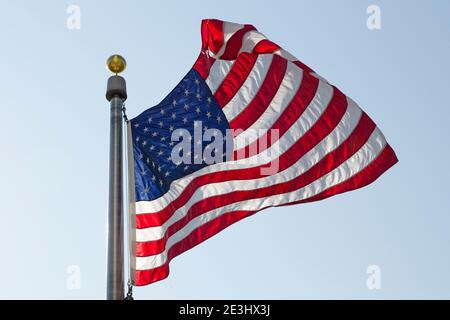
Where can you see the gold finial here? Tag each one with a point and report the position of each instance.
(116, 63)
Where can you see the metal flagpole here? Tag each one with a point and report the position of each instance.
(116, 94)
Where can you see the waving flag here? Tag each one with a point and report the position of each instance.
(249, 127)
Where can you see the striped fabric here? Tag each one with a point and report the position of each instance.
(281, 114)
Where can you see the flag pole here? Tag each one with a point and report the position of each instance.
(116, 94)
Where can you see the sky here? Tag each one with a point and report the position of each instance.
(54, 140)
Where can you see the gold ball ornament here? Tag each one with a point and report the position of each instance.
(116, 63)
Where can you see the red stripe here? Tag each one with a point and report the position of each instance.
(202, 233)
(203, 64)
(265, 46)
(330, 118)
(235, 78)
(375, 169)
(328, 163)
(145, 277)
(296, 107)
(303, 66)
(234, 44)
(212, 34)
(261, 101)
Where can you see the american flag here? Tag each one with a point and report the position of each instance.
(278, 133)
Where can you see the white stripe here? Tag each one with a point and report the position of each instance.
(312, 113)
(283, 53)
(218, 72)
(287, 90)
(345, 171)
(249, 88)
(339, 134)
(250, 40)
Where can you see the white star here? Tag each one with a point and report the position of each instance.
(185, 120)
(209, 100)
(171, 143)
(163, 138)
(143, 173)
(141, 156)
(186, 92)
(148, 160)
(160, 152)
(197, 82)
(161, 182)
(186, 167)
(174, 102)
(161, 124)
(208, 114)
(205, 128)
(145, 129)
(162, 111)
(144, 143)
(171, 128)
(198, 96)
(150, 120)
(146, 190)
(167, 174)
(154, 178)
(186, 106)
(174, 115)
(219, 119)
(159, 168)
(198, 110)
(136, 125)
(152, 147)
(137, 139)
(168, 158)
(154, 134)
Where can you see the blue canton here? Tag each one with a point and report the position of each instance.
(190, 102)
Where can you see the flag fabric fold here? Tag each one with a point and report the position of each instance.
(249, 127)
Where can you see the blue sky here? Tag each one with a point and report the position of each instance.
(55, 130)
